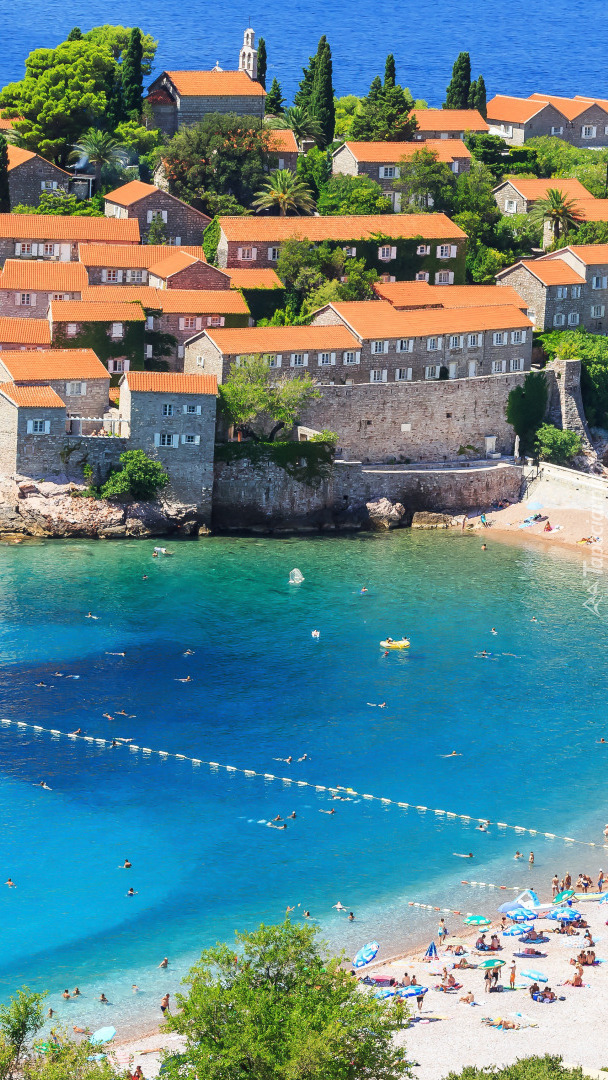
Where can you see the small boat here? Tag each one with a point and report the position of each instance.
(403, 643)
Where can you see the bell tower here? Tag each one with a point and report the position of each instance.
(248, 56)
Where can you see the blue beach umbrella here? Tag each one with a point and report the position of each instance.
(536, 976)
(386, 993)
(516, 931)
(563, 915)
(478, 920)
(431, 952)
(366, 954)
(103, 1035)
(412, 991)
(520, 915)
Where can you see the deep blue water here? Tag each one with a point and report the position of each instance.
(555, 46)
(204, 862)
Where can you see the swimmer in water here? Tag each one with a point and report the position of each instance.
(379, 705)
(306, 915)
(135, 989)
(113, 744)
(77, 732)
(518, 855)
(164, 963)
(58, 674)
(107, 716)
(303, 758)
(131, 892)
(493, 630)
(270, 825)
(10, 883)
(534, 619)
(287, 760)
(126, 865)
(316, 634)
(115, 654)
(292, 815)
(91, 616)
(121, 712)
(66, 995)
(289, 909)
(102, 997)
(363, 590)
(188, 652)
(75, 992)
(351, 916)
(482, 828)
(187, 679)
(332, 811)
(484, 547)
(459, 856)
(339, 906)
(43, 784)
(453, 754)
(277, 818)
(40, 684)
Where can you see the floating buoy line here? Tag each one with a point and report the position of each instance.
(450, 815)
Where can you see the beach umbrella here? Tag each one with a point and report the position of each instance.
(513, 908)
(478, 920)
(366, 954)
(565, 895)
(492, 964)
(520, 915)
(412, 991)
(431, 952)
(385, 993)
(102, 1035)
(563, 915)
(516, 931)
(535, 976)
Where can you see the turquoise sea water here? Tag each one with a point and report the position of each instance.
(204, 861)
(516, 48)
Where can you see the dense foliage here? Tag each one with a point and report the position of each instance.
(385, 114)
(592, 351)
(315, 275)
(526, 407)
(549, 1067)
(353, 195)
(262, 62)
(141, 477)
(270, 1007)
(5, 198)
(426, 182)
(554, 444)
(61, 204)
(316, 95)
(261, 402)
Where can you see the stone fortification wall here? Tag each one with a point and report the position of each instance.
(50, 456)
(565, 403)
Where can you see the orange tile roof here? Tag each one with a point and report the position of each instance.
(273, 339)
(74, 229)
(378, 319)
(215, 84)
(445, 150)
(549, 271)
(569, 107)
(17, 156)
(250, 278)
(592, 209)
(590, 254)
(43, 276)
(51, 364)
(202, 302)
(130, 193)
(413, 294)
(32, 397)
(84, 311)
(137, 257)
(114, 394)
(7, 125)
(15, 331)
(513, 110)
(178, 260)
(449, 120)
(537, 189)
(348, 227)
(122, 294)
(170, 382)
(284, 141)
(593, 100)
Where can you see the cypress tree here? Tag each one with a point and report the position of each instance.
(322, 97)
(75, 34)
(5, 199)
(262, 62)
(132, 78)
(480, 97)
(390, 74)
(275, 100)
(472, 92)
(303, 94)
(457, 94)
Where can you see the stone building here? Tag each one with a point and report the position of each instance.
(185, 97)
(179, 270)
(32, 427)
(285, 146)
(517, 195)
(27, 288)
(419, 294)
(113, 264)
(401, 246)
(448, 123)
(580, 122)
(147, 203)
(29, 175)
(56, 238)
(118, 330)
(25, 334)
(381, 161)
(565, 289)
(76, 375)
(372, 342)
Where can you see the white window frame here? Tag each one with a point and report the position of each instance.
(168, 408)
(561, 292)
(112, 276)
(434, 344)
(386, 253)
(474, 341)
(588, 131)
(192, 410)
(444, 277)
(517, 364)
(274, 360)
(573, 318)
(326, 359)
(351, 357)
(117, 330)
(432, 371)
(455, 341)
(38, 427)
(378, 375)
(423, 249)
(510, 206)
(499, 367)
(273, 254)
(71, 329)
(518, 337)
(247, 254)
(599, 281)
(190, 322)
(403, 374)
(499, 337)
(597, 311)
(422, 275)
(25, 299)
(559, 318)
(299, 359)
(575, 292)
(75, 389)
(557, 129)
(405, 345)
(166, 439)
(378, 347)
(350, 252)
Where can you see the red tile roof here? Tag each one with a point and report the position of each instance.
(445, 150)
(170, 382)
(513, 110)
(569, 107)
(449, 120)
(273, 339)
(52, 364)
(178, 260)
(6, 125)
(416, 294)
(17, 156)
(78, 311)
(283, 141)
(250, 278)
(201, 302)
(348, 227)
(378, 319)
(122, 294)
(590, 254)
(592, 209)
(15, 331)
(130, 193)
(215, 84)
(74, 229)
(537, 189)
(32, 397)
(550, 271)
(43, 276)
(137, 257)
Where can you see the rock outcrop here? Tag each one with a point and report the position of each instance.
(383, 514)
(423, 519)
(40, 508)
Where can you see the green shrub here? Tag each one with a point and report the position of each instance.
(526, 408)
(325, 436)
(553, 444)
(141, 477)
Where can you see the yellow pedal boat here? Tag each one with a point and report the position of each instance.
(403, 643)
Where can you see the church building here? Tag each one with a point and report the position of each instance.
(185, 97)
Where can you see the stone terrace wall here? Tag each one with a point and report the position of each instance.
(48, 456)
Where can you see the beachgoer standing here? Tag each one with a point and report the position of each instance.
(554, 884)
(600, 881)
(164, 1005)
(531, 858)
(567, 880)
(512, 972)
(442, 931)
(487, 979)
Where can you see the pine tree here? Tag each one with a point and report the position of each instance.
(132, 78)
(275, 101)
(322, 97)
(457, 94)
(390, 74)
(262, 63)
(480, 97)
(303, 94)
(5, 199)
(384, 115)
(75, 34)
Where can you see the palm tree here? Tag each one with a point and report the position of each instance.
(99, 148)
(303, 125)
(285, 190)
(561, 212)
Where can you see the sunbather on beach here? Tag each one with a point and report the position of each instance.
(468, 998)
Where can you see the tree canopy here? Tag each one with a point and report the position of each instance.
(321, 100)
(353, 195)
(275, 102)
(314, 275)
(141, 477)
(5, 198)
(426, 181)
(384, 115)
(61, 204)
(132, 74)
(557, 445)
(457, 93)
(281, 1012)
(286, 193)
(262, 62)
(526, 408)
(261, 402)
(559, 210)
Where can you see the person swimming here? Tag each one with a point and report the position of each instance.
(91, 616)
(10, 883)
(304, 758)
(164, 963)
(131, 892)
(493, 630)
(126, 865)
(77, 732)
(332, 811)
(453, 754)
(459, 856)
(43, 784)
(316, 634)
(187, 679)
